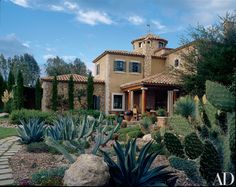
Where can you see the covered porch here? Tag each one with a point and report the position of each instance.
(151, 93)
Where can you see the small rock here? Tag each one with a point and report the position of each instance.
(88, 170)
(147, 137)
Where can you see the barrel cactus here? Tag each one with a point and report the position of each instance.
(210, 163)
(173, 144)
(192, 146)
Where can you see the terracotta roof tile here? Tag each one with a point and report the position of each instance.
(149, 36)
(76, 78)
(164, 78)
(118, 52)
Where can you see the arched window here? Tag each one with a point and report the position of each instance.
(176, 63)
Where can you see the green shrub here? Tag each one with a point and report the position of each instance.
(145, 124)
(49, 177)
(135, 134)
(25, 114)
(161, 112)
(173, 145)
(156, 135)
(156, 147)
(185, 107)
(41, 147)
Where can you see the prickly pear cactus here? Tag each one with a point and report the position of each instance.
(190, 168)
(231, 137)
(192, 146)
(173, 144)
(220, 96)
(210, 163)
(180, 125)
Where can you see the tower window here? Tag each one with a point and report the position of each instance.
(176, 62)
(140, 44)
(161, 44)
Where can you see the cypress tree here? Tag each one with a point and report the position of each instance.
(19, 91)
(38, 95)
(90, 89)
(2, 89)
(54, 94)
(71, 93)
(10, 81)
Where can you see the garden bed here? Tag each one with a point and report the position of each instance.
(24, 164)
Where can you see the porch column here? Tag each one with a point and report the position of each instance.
(131, 100)
(170, 103)
(144, 100)
(128, 101)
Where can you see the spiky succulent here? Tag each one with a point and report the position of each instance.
(132, 171)
(31, 130)
(185, 107)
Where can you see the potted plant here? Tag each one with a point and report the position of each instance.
(161, 117)
(128, 115)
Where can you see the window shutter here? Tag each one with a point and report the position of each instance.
(130, 66)
(139, 67)
(124, 66)
(114, 66)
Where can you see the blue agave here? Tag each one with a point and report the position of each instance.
(129, 171)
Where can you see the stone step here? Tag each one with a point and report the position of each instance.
(6, 182)
(4, 167)
(3, 171)
(6, 176)
(8, 154)
(3, 163)
(3, 159)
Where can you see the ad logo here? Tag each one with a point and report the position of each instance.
(226, 180)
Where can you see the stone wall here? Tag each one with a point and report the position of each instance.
(99, 90)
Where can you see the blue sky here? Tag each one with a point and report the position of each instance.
(85, 28)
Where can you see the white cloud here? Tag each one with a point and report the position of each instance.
(71, 6)
(47, 56)
(10, 45)
(68, 58)
(158, 25)
(93, 17)
(136, 20)
(23, 3)
(56, 8)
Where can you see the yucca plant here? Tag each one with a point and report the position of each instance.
(31, 130)
(185, 107)
(132, 171)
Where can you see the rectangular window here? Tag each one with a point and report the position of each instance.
(135, 67)
(96, 102)
(118, 101)
(98, 69)
(119, 65)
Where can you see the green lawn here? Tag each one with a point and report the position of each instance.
(5, 132)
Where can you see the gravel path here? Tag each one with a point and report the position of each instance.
(8, 147)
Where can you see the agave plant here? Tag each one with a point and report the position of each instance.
(145, 124)
(31, 130)
(185, 107)
(129, 171)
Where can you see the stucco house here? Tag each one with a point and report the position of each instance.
(125, 79)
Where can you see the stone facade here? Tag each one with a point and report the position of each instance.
(99, 90)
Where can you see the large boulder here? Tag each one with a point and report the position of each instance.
(88, 170)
